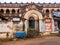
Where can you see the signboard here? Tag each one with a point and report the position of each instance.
(48, 24)
(16, 19)
(56, 13)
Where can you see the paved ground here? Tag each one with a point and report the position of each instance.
(36, 41)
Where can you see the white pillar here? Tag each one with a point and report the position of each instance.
(40, 26)
(26, 25)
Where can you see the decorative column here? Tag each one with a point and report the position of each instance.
(40, 21)
(26, 25)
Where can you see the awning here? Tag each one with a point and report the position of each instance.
(56, 14)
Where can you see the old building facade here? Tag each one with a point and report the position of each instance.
(37, 16)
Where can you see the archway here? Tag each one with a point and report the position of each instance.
(31, 22)
(37, 17)
(47, 12)
(13, 11)
(7, 11)
(1, 11)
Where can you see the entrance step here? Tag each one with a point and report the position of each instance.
(55, 32)
(48, 34)
(45, 33)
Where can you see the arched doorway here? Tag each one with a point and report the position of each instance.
(31, 22)
(34, 19)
